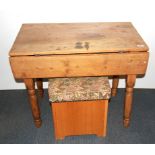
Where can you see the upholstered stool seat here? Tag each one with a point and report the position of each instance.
(79, 105)
(79, 89)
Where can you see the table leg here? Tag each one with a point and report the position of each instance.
(114, 85)
(30, 85)
(130, 81)
(40, 87)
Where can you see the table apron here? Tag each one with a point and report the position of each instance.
(79, 65)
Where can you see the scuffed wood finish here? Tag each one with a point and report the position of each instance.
(30, 85)
(78, 49)
(71, 38)
(40, 89)
(114, 85)
(78, 118)
(130, 82)
(79, 65)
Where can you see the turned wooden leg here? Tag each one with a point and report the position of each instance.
(130, 81)
(30, 85)
(40, 87)
(114, 85)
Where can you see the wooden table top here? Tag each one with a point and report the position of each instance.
(73, 38)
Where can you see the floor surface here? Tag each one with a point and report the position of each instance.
(16, 124)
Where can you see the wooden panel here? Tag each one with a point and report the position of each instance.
(79, 65)
(78, 118)
(72, 38)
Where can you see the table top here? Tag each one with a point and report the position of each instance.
(73, 38)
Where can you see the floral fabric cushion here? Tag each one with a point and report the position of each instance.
(78, 89)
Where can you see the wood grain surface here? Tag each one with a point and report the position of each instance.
(79, 65)
(71, 38)
(78, 118)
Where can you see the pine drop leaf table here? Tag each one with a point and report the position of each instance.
(76, 50)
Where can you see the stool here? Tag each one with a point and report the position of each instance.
(79, 105)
